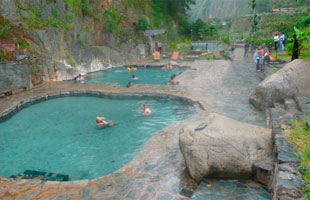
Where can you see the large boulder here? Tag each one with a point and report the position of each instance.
(225, 148)
(293, 78)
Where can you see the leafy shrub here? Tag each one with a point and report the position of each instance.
(68, 26)
(69, 16)
(142, 24)
(4, 30)
(172, 46)
(85, 8)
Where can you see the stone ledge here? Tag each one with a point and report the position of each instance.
(286, 183)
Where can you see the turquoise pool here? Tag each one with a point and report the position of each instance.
(61, 136)
(150, 75)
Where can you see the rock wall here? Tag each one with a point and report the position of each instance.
(292, 79)
(14, 76)
(77, 44)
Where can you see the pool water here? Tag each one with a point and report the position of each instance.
(150, 75)
(211, 46)
(61, 136)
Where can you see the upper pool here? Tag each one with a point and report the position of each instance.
(61, 136)
(149, 75)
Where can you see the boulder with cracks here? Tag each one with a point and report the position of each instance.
(225, 148)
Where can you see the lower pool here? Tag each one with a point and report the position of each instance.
(61, 136)
(150, 75)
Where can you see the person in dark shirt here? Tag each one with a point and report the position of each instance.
(296, 48)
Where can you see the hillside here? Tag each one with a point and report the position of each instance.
(204, 9)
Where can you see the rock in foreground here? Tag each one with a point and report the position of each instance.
(224, 149)
(286, 83)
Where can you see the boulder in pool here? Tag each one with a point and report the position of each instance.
(292, 79)
(225, 148)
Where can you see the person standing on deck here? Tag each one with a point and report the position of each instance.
(159, 47)
(246, 49)
(295, 48)
(282, 41)
(276, 41)
(232, 47)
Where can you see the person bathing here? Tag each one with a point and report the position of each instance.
(101, 123)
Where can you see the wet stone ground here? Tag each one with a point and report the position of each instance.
(158, 171)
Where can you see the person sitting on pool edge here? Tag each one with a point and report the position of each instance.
(101, 123)
(134, 78)
(129, 85)
(146, 110)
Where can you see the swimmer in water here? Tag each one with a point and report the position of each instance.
(134, 78)
(129, 85)
(146, 110)
(101, 123)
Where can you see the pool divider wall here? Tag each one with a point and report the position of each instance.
(8, 113)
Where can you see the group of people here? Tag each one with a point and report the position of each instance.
(261, 55)
(172, 80)
(102, 123)
(279, 39)
(79, 79)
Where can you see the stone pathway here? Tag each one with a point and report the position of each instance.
(158, 171)
(227, 87)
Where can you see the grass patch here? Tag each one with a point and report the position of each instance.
(304, 55)
(274, 70)
(206, 57)
(300, 138)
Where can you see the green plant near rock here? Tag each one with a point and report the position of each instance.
(4, 30)
(112, 20)
(142, 24)
(2, 58)
(274, 70)
(299, 136)
(68, 26)
(70, 60)
(89, 29)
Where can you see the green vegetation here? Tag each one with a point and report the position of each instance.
(4, 30)
(207, 57)
(274, 70)
(299, 136)
(112, 20)
(203, 30)
(143, 24)
(37, 22)
(268, 5)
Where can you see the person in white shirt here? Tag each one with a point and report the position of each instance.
(276, 41)
(282, 41)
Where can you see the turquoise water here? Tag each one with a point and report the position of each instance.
(61, 136)
(211, 46)
(150, 75)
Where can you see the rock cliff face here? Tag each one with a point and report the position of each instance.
(218, 9)
(62, 41)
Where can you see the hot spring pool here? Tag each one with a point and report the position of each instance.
(61, 136)
(150, 75)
